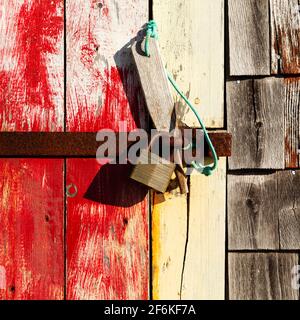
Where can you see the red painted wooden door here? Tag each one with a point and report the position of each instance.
(102, 215)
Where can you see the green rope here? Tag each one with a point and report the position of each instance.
(151, 31)
(207, 170)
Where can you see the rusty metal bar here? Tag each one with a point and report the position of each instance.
(76, 144)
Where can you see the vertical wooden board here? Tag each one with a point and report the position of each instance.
(253, 212)
(191, 35)
(285, 33)
(292, 122)
(249, 37)
(256, 120)
(107, 233)
(262, 276)
(169, 236)
(241, 123)
(204, 265)
(189, 246)
(31, 65)
(289, 214)
(102, 85)
(155, 85)
(107, 238)
(31, 229)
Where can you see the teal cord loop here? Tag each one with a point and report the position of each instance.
(206, 170)
(151, 32)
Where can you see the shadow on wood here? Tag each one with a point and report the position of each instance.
(112, 186)
(129, 77)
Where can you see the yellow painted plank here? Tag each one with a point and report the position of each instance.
(204, 270)
(169, 225)
(191, 35)
(189, 241)
(189, 263)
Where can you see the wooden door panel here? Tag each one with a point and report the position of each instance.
(31, 229)
(32, 65)
(107, 233)
(102, 86)
(107, 229)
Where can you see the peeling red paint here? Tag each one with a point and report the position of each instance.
(31, 247)
(38, 30)
(26, 85)
(107, 221)
(107, 257)
(121, 100)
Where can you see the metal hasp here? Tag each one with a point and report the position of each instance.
(160, 104)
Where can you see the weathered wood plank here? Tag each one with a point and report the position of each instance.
(102, 85)
(262, 276)
(31, 229)
(189, 244)
(260, 206)
(285, 33)
(107, 229)
(249, 37)
(155, 85)
(191, 35)
(107, 233)
(204, 267)
(169, 232)
(31, 65)
(256, 120)
(292, 122)
(289, 212)
(253, 212)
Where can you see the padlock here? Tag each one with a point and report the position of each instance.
(153, 171)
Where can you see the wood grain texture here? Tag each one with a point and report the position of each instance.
(31, 229)
(253, 212)
(31, 65)
(292, 122)
(102, 85)
(107, 233)
(188, 240)
(204, 266)
(191, 35)
(155, 85)
(256, 120)
(285, 33)
(262, 276)
(289, 212)
(107, 230)
(263, 211)
(249, 37)
(169, 236)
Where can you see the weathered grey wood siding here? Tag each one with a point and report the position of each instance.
(262, 276)
(263, 112)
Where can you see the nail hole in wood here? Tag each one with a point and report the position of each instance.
(258, 125)
(12, 288)
(249, 203)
